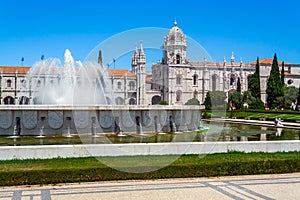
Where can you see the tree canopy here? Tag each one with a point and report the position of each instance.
(254, 82)
(274, 85)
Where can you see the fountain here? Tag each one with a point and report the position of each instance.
(66, 97)
(15, 133)
(41, 133)
(71, 84)
(69, 132)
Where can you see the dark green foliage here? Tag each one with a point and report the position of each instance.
(207, 101)
(163, 103)
(282, 74)
(274, 85)
(237, 99)
(238, 87)
(257, 104)
(192, 101)
(290, 95)
(253, 103)
(254, 82)
(235, 163)
(298, 99)
(215, 100)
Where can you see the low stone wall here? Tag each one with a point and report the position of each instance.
(58, 120)
(67, 151)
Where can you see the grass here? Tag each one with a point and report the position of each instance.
(269, 115)
(52, 171)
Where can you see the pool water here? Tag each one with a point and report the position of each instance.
(216, 132)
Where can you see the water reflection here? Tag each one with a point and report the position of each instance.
(216, 132)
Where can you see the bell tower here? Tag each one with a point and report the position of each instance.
(140, 75)
(175, 46)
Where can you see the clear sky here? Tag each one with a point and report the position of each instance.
(31, 28)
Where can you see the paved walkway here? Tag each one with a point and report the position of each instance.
(284, 186)
(291, 125)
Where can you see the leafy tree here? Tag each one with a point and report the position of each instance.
(237, 99)
(238, 87)
(192, 101)
(290, 95)
(274, 85)
(282, 74)
(254, 82)
(257, 104)
(215, 100)
(253, 103)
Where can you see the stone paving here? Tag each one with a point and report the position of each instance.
(280, 186)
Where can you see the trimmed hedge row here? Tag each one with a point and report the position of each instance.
(269, 165)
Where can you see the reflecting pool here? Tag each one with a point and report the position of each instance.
(211, 132)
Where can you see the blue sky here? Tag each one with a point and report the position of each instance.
(253, 28)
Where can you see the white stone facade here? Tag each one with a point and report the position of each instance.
(175, 79)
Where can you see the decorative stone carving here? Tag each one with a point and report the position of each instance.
(81, 119)
(5, 119)
(128, 118)
(55, 119)
(29, 119)
(106, 119)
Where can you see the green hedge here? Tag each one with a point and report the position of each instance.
(186, 166)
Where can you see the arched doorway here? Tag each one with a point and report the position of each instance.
(9, 100)
(24, 100)
(179, 96)
(132, 101)
(156, 99)
(119, 101)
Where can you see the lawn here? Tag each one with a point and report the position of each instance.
(52, 171)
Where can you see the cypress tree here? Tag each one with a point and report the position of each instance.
(238, 87)
(282, 74)
(254, 83)
(298, 100)
(274, 85)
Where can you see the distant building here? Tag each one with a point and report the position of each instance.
(175, 79)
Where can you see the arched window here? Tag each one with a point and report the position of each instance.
(178, 96)
(178, 59)
(119, 101)
(131, 85)
(214, 82)
(178, 79)
(9, 100)
(119, 85)
(8, 83)
(132, 101)
(195, 79)
(232, 79)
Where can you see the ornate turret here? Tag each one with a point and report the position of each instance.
(141, 56)
(232, 58)
(175, 46)
(134, 60)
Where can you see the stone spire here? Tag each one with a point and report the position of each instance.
(142, 56)
(134, 60)
(175, 22)
(232, 58)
